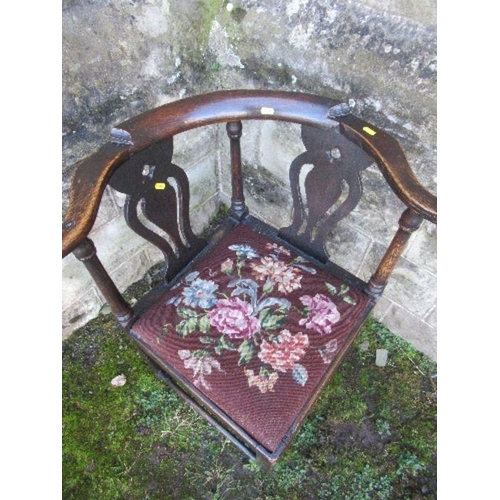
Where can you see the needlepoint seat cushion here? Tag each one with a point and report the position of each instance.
(256, 329)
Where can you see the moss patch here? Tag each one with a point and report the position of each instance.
(372, 434)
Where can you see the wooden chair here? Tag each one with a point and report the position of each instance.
(249, 325)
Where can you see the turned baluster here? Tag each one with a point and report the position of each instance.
(408, 223)
(86, 253)
(238, 206)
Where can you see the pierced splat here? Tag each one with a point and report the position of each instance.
(146, 179)
(335, 161)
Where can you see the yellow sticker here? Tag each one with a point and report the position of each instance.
(160, 185)
(369, 131)
(267, 111)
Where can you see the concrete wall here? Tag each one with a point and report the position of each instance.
(121, 58)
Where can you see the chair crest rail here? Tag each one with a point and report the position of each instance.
(92, 174)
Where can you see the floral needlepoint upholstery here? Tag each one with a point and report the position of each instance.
(255, 327)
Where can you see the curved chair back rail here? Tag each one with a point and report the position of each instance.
(93, 173)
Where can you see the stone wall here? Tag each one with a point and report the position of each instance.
(123, 57)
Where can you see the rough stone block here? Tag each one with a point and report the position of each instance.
(267, 197)
(154, 254)
(81, 310)
(422, 247)
(131, 270)
(116, 243)
(66, 182)
(380, 310)
(75, 278)
(412, 287)
(348, 247)
(408, 326)
(417, 10)
(250, 142)
(280, 144)
(409, 285)
(372, 260)
(224, 157)
(193, 145)
(203, 213)
(119, 199)
(431, 317)
(379, 209)
(422, 159)
(202, 181)
(220, 45)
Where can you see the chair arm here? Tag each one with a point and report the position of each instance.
(87, 186)
(392, 162)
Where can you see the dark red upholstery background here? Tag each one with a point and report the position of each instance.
(259, 360)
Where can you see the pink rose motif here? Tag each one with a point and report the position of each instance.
(278, 273)
(227, 266)
(285, 352)
(278, 249)
(322, 313)
(234, 319)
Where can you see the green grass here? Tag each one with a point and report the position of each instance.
(371, 435)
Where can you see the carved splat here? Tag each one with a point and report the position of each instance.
(160, 189)
(332, 188)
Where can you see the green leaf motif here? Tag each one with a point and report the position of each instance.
(207, 340)
(331, 288)
(204, 324)
(186, 313)
(182, 329)
(264, 314)
(270, 321)
(246, 350)
(308, 269)
(227, 344)
(268, 286)
(186, 327)
(299, 374)
(224, 344)
(343, 289)
(349, 300)
(200, 353)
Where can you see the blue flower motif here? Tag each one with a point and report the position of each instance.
(201, 293)
(245, 251)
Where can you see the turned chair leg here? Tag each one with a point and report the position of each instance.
(86, 253)
(408, 224)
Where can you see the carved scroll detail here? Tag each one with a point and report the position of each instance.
(335, 161)
(146, 180)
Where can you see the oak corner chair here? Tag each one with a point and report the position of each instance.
(250, 324)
